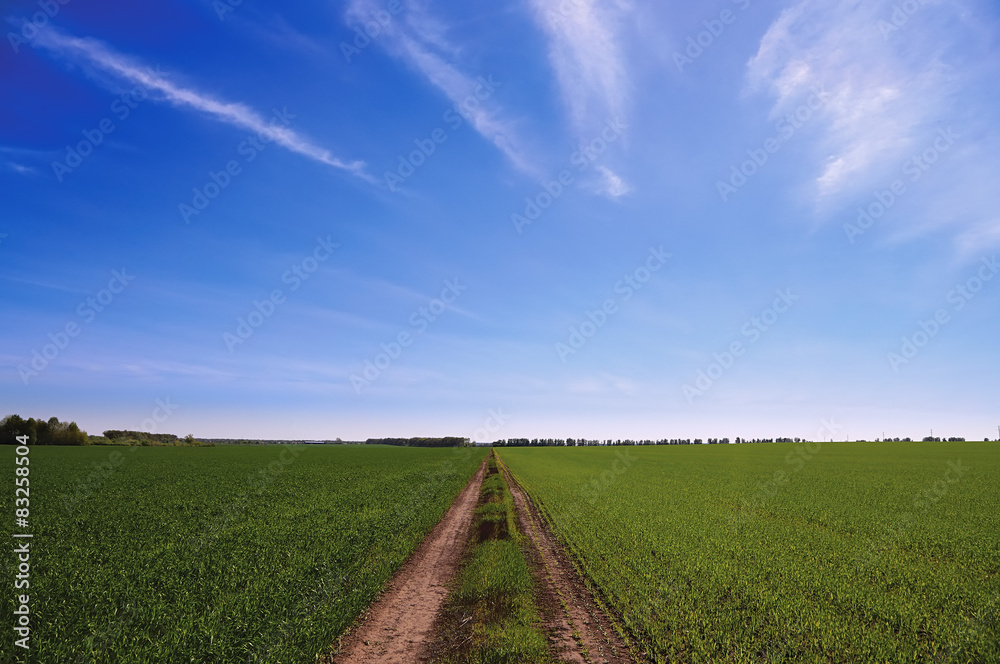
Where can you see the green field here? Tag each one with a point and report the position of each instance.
(223, 554)
(835, 552)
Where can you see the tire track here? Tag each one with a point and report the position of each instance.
(580, 630)
(399, 626)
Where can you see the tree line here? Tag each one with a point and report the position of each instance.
(446, 441)
(581, 442)
(41, 432)
(126, 437)
(54, 432)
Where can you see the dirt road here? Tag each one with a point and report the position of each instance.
(399, 628)
(400, 624)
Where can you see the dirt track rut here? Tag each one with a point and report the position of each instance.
(400, 625)
(581, 631)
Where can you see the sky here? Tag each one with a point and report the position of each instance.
(587, 219)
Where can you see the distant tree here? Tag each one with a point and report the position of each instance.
(69, 434)
(126, 437)
(41, 432)
(447, 441)
(13, 426)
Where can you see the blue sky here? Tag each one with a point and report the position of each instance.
(567, 219)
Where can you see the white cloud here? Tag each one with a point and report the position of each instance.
(978, 239)
(277, 31)
(584, 51)
(585, 54)
(421, 41)
(25, 152)
(611, 184)
(884, 94)
(23, 170)
(96, 54)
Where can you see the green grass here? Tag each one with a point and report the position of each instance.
(494, 591)
(836, 552)
(223, 554)
(498, 584)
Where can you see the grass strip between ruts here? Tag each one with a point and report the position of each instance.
(492, 601)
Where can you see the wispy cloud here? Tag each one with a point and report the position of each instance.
(585, 54)
(611, 184)
(45, 284)
(28, 153)
(23, 170)
(883, 93)
(605, 384)
(975, 240)
(98, 55)
(420, 39)
(276, 31)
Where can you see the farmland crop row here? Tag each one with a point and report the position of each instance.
(224, 554)
(834, 552)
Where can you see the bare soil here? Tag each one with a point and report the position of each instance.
(399, 626)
